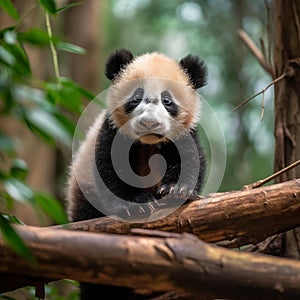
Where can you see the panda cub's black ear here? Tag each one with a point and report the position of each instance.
(116, 62)
(195, 69)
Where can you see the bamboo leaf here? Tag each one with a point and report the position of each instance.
(69, 47)
(8, 6)
(52, 207)
(11, 237)
(49, 5)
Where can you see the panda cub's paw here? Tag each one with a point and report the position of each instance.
(143, 205)
(177, 191)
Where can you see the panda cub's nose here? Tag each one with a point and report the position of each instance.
(149, 124)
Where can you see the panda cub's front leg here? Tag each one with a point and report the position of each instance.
(121, 199)
(192, 174)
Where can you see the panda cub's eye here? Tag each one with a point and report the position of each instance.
(166, 98)
(138, 96)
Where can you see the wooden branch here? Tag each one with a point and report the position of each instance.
(168, 262)
(282, 76)
(244, 217)
(273, 176)
(255, 51)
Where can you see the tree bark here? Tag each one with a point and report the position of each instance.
(165, 262)
(287, 91)
(287, 104)
(242, 217)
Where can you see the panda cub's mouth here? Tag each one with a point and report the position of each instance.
(157, 135)
(151, 138)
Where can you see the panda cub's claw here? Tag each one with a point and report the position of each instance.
(174, 190)
(143, 205)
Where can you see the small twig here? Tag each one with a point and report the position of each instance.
(273, 176)
(261, 92)
(269, 31)
(255, 51)
(26, 15)
(53, 50)
(262, 107)
(263, 47)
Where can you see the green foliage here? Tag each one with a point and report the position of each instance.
(44, 107)
(12, 238)
(49, 5)
(9, 8)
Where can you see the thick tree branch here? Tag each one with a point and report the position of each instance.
(244, 217)
(164, 262)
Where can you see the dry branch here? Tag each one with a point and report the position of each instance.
(244, 217)
(282, 76)
(255, 51)
(169, 262)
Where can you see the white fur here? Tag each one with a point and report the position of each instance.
(82, 167)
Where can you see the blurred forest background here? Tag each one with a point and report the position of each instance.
(38, 103)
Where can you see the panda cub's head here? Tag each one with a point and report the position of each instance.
(153, 98)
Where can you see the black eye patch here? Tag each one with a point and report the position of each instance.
(134, 100)
(169, 104)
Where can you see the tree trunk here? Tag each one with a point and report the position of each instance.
(157, 261)
(287, 102)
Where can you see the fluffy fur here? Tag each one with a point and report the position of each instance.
(153, 106)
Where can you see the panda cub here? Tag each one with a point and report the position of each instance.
(144, 149)
(153, 108)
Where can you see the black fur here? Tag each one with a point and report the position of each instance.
(196, 70)
(117, 61)
(139, 195)
(172, 107)
(134, 100)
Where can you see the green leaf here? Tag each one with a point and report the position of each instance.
(13, 219)
(69, 82)
(66, 94)
(35, 37)
(61, 9)
(20, 60)
(10, 36)
(6, 56)
(86, 93)
(19, 169)
(49, 5)
(11, 237)
(18, 190)
(31, 97)
(49, 124)
(52, 207)
(9, 8)
(36, 130)
(68, 124)
(68, 47)
(3, 31)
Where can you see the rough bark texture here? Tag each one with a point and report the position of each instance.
(287, 92)
(242, 217)
(167, 261)
(287, 105)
